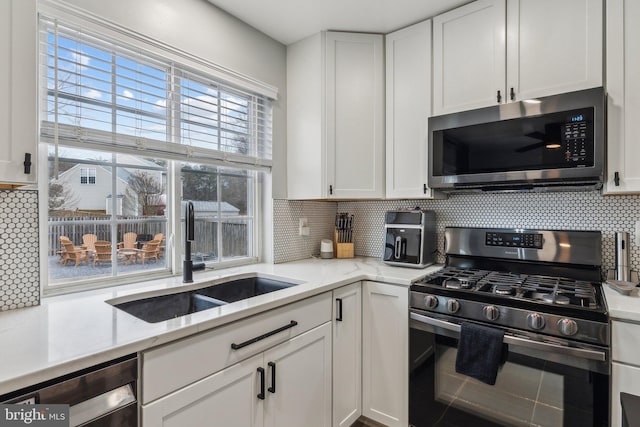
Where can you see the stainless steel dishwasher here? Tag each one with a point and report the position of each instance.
(99, 396)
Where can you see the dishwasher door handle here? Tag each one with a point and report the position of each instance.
(103, 404)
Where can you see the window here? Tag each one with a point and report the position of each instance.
(145, 135)
(87, 175)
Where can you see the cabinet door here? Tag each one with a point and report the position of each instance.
(408, 76)
(18, 84)
(469, 57)
(562, 55)
(355, 114)
(385, 353)
(623, 100)
(228, 398)
(299, 381)
(347, 355)
(624, 379)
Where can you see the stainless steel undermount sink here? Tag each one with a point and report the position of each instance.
(158, 308)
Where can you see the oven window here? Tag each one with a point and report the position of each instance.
(528, 391)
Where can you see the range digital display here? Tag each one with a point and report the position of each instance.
(514, 240)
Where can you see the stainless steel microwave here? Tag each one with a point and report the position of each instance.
(550, 143)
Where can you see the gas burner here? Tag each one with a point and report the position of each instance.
(557, 299)
(457, 283)
(504, 289)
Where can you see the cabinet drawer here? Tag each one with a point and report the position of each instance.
(625, 342)
(172, 366)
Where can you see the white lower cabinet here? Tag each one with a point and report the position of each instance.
(385, 347)
(299, 381)
(227, 398)
(347, 355)
(625, 369)
(288, 385)
(625, 379)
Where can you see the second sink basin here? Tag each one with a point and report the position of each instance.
(164, 307)
(240, 289)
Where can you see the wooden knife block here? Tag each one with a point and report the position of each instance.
(342, 250)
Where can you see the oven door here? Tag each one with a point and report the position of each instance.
(540, 383)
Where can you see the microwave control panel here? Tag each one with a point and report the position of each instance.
(574, 138)
(514, 240)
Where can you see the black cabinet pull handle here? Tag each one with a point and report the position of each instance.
(512, 94)
(272, 389)
(27, 163)
(235, 346)
(499, 97)
(339, 309)
(424, 188)
(261, 394)
(616, 179)
(331, 189)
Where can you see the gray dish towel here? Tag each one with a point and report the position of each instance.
(479, 352)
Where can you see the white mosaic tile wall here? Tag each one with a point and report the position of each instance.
(568, 211)
(288, 244)
(19, 253)
(571, 211)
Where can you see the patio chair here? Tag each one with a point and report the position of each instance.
(102, 252)
(160, 238)
(89, 240)
(149, 251)
(73, 253)
(129, 241)
(61, 251)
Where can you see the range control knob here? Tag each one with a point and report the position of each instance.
(568, 327)
(535, 321)
(491, 312)
(453, 306)
(430, 302)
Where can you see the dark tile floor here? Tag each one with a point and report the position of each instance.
(365, 422)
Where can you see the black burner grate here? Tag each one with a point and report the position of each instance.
(540, 289)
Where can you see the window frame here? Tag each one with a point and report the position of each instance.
(174, 251)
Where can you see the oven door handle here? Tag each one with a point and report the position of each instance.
(599, 356)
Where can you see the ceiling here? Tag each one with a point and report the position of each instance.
(291, 20)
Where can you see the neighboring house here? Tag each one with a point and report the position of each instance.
(91, 189)
(209, 209)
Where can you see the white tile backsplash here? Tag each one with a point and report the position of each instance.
(563, 210)
(19, 253)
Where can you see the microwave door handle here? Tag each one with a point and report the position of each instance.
(517, 341)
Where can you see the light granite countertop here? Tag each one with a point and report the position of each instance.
(71, 332)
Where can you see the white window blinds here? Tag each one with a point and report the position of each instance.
(106, 96)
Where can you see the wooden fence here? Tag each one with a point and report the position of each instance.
(235, 234)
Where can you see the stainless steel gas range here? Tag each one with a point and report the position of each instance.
(542, 289)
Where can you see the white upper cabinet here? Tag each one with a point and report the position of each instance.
(546, 47)
(335, 113)
(408, 101)
(553, 47)
(623, 100)
(469, 56)
(19, 86)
